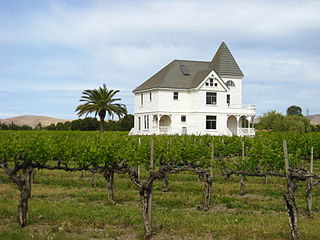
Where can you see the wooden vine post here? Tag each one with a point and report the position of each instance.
(151, 169)
(208, 178)
(289, 196)
(93, 179)
(165, 181)
(242, 178)
(309, 187)
(139, 168)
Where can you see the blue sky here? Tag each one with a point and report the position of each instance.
(52, 50)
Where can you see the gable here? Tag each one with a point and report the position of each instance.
(212, 82)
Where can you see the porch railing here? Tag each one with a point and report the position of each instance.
(246, 131)
(164, 129)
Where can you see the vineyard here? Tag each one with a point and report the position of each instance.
(185, 186)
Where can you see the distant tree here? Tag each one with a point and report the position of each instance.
(298, 124)
(51, 127)
(112, 125)
(4, 127)
(62, 126)
(25, 127)
(89, 124)
(126, 123)
(294, 111)
(38, 126)
(101, 102)
(277, 122)
(76, 125)
(271, 121)
(315, 128)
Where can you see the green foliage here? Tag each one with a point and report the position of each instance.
(101, 101)
(294, 111)
(262, 153)
(274, 121)
(13, 126)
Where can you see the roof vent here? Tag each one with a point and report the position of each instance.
(184, 70)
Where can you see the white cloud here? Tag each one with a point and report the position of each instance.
(61, 46)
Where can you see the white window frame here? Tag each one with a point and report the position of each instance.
(216, 98)
(212, 121)
(175, 94)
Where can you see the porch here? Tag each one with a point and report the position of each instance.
(240, 125)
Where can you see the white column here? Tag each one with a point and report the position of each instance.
(238, 118)
(159, 116)
(249, 122)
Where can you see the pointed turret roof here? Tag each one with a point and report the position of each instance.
(224, 64)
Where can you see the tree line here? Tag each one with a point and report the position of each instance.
(85, 124)
(293, 121)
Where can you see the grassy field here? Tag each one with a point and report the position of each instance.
(65, 206)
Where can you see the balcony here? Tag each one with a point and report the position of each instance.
(240, 106)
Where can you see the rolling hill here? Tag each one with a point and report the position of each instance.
(32, 121)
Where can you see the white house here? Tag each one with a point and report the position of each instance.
(194, 97)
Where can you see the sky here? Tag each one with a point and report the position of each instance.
(51, 50)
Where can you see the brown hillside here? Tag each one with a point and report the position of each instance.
(315, 119)
(33, 120)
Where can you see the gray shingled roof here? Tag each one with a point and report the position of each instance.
(223, 62)
(171, 75)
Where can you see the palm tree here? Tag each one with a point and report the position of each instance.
(101, 101)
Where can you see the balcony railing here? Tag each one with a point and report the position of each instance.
(240, 106)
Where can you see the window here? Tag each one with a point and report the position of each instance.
(150, 96)
(211, 122)
(228, 99)
(183, 118)
(175, 95)
(230, 83)
(141, 99)
(139, 123)
(211, 83)
(146, 121)
(211, 98)
(184, 69)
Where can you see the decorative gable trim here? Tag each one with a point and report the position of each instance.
(215, 76)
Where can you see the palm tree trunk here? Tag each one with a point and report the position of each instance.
(101, 125)
(102, 115)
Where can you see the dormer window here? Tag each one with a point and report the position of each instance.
(230, 83)
(211, 83)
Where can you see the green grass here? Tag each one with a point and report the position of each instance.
(64, 206)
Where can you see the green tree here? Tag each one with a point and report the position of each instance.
(127, 122)
(101, 102)
(294, 111)
(277, 122)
